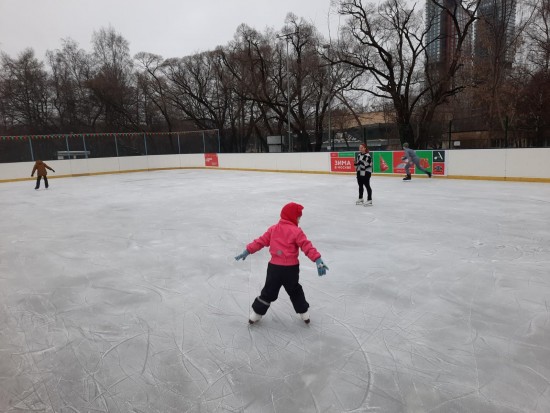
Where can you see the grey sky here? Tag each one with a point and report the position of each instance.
(170, 28)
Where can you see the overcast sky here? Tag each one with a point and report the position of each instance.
(170, 28)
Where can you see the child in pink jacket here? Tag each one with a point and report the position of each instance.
(284, 239)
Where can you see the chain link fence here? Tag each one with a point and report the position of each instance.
(481, 133)
(105, 145)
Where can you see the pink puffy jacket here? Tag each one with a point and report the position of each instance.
(285, 239)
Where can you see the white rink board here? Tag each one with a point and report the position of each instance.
(133, 163)
(476, 162)
(163, 161)
(526, 162)
(522, 164)
(99, 165)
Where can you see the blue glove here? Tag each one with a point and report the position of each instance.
(321, 267)
(242, 255)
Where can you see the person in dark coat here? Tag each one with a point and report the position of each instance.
(41, 169)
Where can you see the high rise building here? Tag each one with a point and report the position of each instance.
(442, 34)
(495, 30)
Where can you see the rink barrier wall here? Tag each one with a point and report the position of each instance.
(530, 165)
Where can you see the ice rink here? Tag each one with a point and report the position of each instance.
(120, 293)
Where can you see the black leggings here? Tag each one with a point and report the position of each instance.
(281, 276)
(364, 181)
(38, 182)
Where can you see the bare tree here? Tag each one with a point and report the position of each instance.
(26, 99)
(114, 82)
(532, 73)
(537, 36)
(287, 78)
(253, 66)
(195, 90)
(389, 43)
(76, 106)
(498, 36)
(154, 85)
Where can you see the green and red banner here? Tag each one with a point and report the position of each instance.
(342, 161)
(390, 162)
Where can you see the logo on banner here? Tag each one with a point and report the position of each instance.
(439, 156)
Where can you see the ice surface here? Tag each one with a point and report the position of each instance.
(120, 293)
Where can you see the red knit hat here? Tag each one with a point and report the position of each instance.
(291, 212)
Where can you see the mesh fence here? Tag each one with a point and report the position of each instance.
(104, 145)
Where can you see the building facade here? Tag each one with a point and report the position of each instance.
(495, 31)
(442, 33)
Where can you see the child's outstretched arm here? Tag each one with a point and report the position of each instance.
(321, 267)
(255, 245)
(311, 252)
(242, 255)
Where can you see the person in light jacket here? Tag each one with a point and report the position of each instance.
(412, 158)
(41, 169)
(285, 240)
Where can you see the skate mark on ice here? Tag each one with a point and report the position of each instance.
(368, 380)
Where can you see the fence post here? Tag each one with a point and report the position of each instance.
(116, 145)
(203, 143)
(506, 131)
(179, 148)
(68, 150)
(84, 143)
(450, 127)
(219, 144)
(145, 140)
(30, 144)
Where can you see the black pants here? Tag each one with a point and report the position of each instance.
(38, 182)
(281, 276)
(364, 181)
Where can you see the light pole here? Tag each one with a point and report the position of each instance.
(330, 137)
(287, 37)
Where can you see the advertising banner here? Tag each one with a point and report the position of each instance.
(399, 163)
(390, 162)
(342, 161)
(211, 159)
(438, 163)
(425, 162)
(382, 162)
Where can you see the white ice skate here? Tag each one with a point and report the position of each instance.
(368, 203)
(359, 201)
(254, 317)
(305, 317)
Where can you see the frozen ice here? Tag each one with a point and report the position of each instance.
(120, 293)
